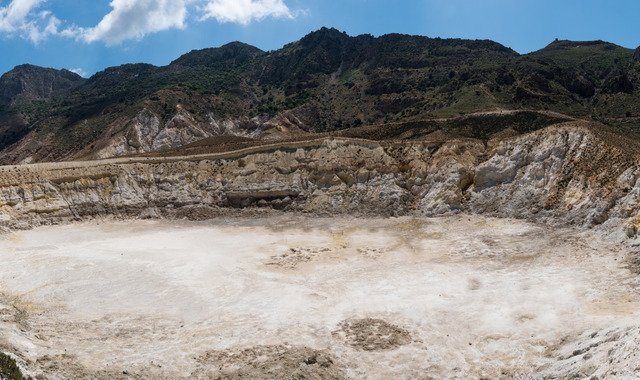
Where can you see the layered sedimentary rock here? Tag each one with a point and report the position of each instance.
(570, 173)
(148, 132)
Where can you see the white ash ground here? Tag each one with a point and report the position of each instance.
(456, 297)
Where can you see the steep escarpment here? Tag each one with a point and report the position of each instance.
(569, 173)
(573, 173)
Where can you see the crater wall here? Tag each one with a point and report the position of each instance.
(566, 174)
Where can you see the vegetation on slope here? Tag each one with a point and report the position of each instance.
(9, 370)
(332, 81)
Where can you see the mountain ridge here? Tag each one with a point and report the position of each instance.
(326, 81)
(557, 42)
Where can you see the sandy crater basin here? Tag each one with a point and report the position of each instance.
(453, 297)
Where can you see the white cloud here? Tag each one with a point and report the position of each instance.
(21, 18)
(13, 16)
(134, 19)
(245, 11)
(79, 71)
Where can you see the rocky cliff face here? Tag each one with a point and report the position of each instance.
(149, 132)
(567, 174)
(636, 55)
(29, 83)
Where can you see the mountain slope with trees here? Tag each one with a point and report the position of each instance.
(325, 82)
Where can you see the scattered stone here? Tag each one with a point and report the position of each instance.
(293, 257)
(372, 253)
(474, 284)
(269, 362)
(611, 353)
(633, 262)
(370, 334)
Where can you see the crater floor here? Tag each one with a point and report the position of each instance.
(457, 297)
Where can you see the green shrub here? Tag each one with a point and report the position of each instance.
(9, 369)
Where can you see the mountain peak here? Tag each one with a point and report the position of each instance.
(29, 82)
(324, 33)
(569, 44)
(233, 52)
(29, 68)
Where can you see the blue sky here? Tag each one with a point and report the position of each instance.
(89, 35)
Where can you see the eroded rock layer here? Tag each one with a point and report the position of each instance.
(571, 173)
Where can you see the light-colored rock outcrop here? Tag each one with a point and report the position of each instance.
(150, 131)
(566, 174)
